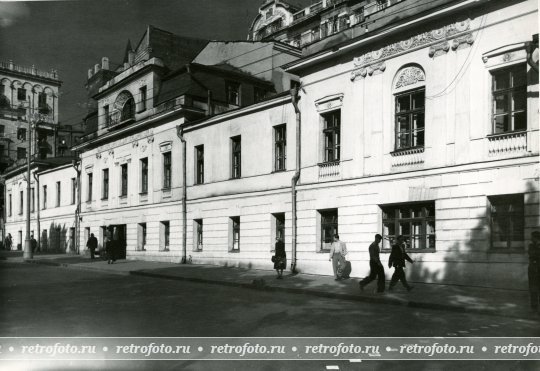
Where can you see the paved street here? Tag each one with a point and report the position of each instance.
(52, 301)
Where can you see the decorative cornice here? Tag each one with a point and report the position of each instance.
(439, 38)
(439, 49)
(462, 41)
(409, 76)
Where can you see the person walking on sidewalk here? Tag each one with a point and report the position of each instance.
(375, 265)
(33, 243)
(338, 250)
(397, 260)
(9, 241)
(280, 260)
(110, 248)
(534, 270)
(92, 245)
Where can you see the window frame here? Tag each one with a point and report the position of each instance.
(509, 93)
(236, 157)
(143, 162)
(167, 169)
(58, 193)
(143, 96)
(73, 190)
(21, 203)
(21, 92)
(328, 219)
(280, 147)
(124, 180)
(234, 233)
(331, 136)
(105, 184)
(199, 164)
(90, 177)
(44, 197)
(426, 237)
(411, 132)
(198, 235)
(232, 87)
(10, 205)
(510, 219)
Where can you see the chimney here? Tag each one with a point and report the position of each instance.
(96, 68)
(105, 63)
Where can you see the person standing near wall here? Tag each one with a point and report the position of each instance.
(534, 270)
(338, 250)
(92, 245)
(280, 262)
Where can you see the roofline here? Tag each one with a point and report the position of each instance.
(338, 50)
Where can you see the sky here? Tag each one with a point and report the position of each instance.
(72, 36)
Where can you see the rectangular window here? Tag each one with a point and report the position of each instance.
(236, 157)
(199, 165)
(414, 221)
(107, 115)
(21, 203)
(234, 234)
(33, 201)
(21, 153)
(123, 180)
(277, 229)
(144, 175)
(58, 194)
(73, 190)
(280, 147)
(329, 227)
(165, 233)
(507, 221)
(141, 236)
(233, 93)
(167, 170)
(332, 136)
(44, 197)
(21, 94)
(90, 185)
(410, 119)
(509, 91)
(10, 206)
(42, 103)
(197, 234)
(21, 134)
(259, 94)
(105, 192)
(142, 92)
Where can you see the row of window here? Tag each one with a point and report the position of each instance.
(414, 221)
(44, 198)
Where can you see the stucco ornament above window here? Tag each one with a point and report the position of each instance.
(329, 102)
(507, 54)
(409, 76)
(457, 33)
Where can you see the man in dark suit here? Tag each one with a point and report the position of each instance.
(397, 259)
(377, 269)
(92, 245)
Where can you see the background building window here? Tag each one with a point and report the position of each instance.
(90, 184)
(259, 94)
(198, 234)
(410, 119)
(21, 203)
(128, 110)
(415, 222)
(144, 175)
(332, 135)
(234, 234)
(236, 158)
(280, 147)
(107, 115)
(329, 227)
(105, 192)
(21, 134)
(58, 193)
(507, 221)
(199, 155)
(509, 90)
(21, 94)
(142, 92)
(233, 93)
(123, 180)
(167, 170)
(21, 153)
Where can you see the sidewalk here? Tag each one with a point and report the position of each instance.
(500, 302)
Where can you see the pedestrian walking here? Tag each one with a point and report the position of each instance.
(338, 251)
(534, 270)
(280, 258)
(9, 241)
(111, 250)
(375, 266)
(397, 260)
(33, 243)
(92, 245)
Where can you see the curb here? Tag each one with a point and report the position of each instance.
(257, 285)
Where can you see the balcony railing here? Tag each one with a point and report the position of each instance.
(507, 143)
(28, 70)
(329, 169)
(412, 156)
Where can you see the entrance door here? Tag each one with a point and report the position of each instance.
(117, 233)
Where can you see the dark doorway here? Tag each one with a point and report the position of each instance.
(117, 234)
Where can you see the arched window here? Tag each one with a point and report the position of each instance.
(124, 106)
(409, 91)
(128, 110)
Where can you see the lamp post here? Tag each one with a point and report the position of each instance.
(28, 253)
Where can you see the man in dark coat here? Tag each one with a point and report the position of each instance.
(397, 260)
(280, 262)
(534, 270)
(33, 243)
(92, 245)
(375, 265)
